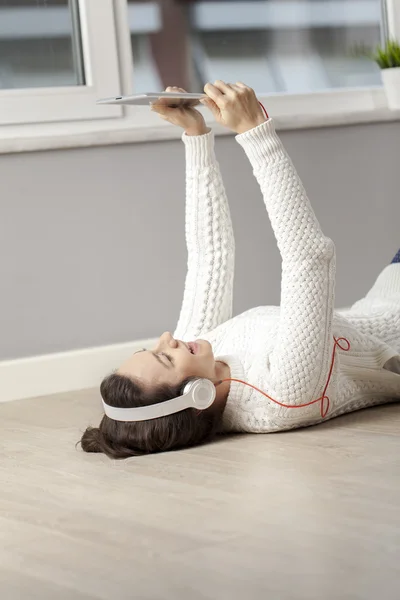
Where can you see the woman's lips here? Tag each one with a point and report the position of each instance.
(194, 347)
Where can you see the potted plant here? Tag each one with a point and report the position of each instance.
(388, 59)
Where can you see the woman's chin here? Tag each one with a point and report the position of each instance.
(204, 347)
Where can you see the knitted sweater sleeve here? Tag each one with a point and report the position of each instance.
(207, 300)
(300, 361)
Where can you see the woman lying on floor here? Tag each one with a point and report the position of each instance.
(308, 362)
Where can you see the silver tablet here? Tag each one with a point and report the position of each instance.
(150, 98)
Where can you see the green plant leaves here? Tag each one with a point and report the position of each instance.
(387, 56)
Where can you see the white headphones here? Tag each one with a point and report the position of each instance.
(198, 393)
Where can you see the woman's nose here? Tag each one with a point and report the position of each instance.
(167, 339)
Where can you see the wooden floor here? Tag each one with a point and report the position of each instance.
(311, 514)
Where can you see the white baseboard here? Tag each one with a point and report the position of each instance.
(64, 371)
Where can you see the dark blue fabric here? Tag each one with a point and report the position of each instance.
(396, 258)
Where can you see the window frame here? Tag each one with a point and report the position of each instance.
(108, 125)
(392, 12)
(22, 106)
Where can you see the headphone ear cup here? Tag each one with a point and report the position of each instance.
(202, 393)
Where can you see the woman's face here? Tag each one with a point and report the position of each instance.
(170, 362)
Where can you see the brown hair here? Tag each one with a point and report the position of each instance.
(121, 440)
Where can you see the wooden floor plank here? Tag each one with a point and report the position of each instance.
(311, 514)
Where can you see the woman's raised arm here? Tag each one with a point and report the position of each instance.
(300, 362)
(207, 300)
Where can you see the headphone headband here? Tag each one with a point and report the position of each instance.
(198, 393)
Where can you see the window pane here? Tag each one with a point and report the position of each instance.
(279, 46)
(40, 44)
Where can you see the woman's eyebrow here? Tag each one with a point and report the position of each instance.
(161, 361)
(156, 357)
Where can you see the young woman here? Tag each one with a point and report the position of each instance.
(308, 362)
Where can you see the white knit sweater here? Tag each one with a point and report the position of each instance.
(286, 351)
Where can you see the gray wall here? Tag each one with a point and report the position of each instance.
(92, 240)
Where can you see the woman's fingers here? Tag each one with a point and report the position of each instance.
(173, 88)
(178, 102)
(213, 92)
(220, 92)
(237, 104)
(161, 108)
(162, 101)
(225, 88)
(210, 104)
(180, 112)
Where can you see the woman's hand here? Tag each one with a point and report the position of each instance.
(234, 105)
(181, 113)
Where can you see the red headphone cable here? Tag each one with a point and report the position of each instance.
(324, 399)
(264, 109)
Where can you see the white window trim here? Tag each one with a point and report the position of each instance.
(71, 103)
(322, 109)
(393, 17)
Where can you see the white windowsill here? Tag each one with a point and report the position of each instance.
(326, 109)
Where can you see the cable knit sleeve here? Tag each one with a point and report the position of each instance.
(207, 300)
(300, 360)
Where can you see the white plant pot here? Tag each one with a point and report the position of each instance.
(391, 83)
